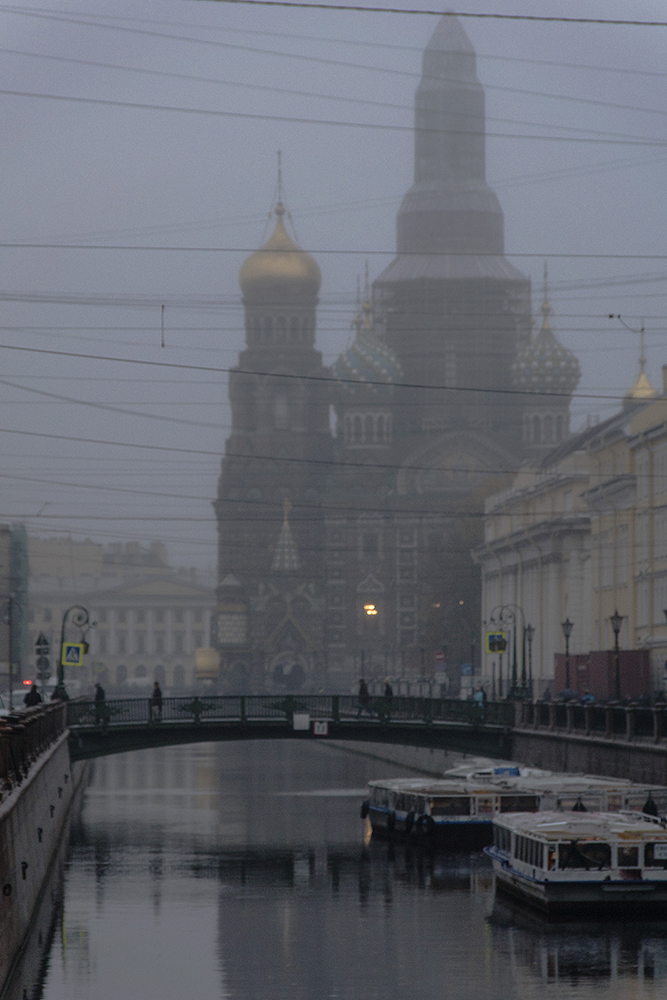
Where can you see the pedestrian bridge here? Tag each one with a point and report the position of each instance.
(115, 726)
(619, 740)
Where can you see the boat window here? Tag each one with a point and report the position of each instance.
(451, 805)
(484, 804)
(574, 803)
(551, 858)
(614, 803)
(518, 803)
(587, 855)
(502, 838)
(628, 855)
(655, 855)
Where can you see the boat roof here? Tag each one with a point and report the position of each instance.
(591, 825)
(545, 781)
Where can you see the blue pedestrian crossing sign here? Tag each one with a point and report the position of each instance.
(72, 654)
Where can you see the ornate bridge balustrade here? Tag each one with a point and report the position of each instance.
(124, 724)
(632, 723)
(24, 736)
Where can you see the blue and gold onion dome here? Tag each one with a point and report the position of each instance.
(367, 360)
(280, 271)
(544, 365)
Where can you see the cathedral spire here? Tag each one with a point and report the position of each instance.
(285, 556)
(450, 207)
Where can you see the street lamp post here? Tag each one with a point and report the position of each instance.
(616, 622)
(529, 632)
(567, 627)
(506, 614)
(81, 620)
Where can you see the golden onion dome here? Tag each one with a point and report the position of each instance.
(280, 271)
(641, 391)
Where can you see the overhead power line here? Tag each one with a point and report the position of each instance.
(358, 8)
(217, 113)
(308, 378)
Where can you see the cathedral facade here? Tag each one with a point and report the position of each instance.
(344, 545)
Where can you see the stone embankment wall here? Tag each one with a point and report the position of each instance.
(37, 785)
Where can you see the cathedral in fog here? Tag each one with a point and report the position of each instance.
(346, 553)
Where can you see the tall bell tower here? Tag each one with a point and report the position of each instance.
(271, 482)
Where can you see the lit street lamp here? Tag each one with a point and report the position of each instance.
(616, 622)
(567, 627)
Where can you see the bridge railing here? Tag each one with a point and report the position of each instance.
(24, 736)
(612, 721)
(249, 708)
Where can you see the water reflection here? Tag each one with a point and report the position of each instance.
(243, 871)
(574, 952)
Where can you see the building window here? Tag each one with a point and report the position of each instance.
(642, 469)
(280, 412)
(179, 638)
(660, 534)
(140, 643)
(622, 556)
(140, 671)
(121, 640)
(370, 544)
(158, 643)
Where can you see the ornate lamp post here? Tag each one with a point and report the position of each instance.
(616, 622)
(529, 632)
(567, 627)
(81, 619)
(506, 614)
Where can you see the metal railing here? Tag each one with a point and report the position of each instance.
(633, 722)
(282, 708)
(24, 736)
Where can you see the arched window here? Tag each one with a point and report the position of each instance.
(548, 428)
(280, 412)
(357, 430)
(537, 431)
(559, 429)
(368, 429)
(268, 328)
(281, 329)
(140, 671)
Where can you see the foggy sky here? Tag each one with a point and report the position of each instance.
(84, 173)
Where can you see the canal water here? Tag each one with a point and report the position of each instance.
(243, 871)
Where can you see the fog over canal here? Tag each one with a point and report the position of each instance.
(242, 870)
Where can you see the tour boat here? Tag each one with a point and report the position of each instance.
(585, 863)
(460, 810)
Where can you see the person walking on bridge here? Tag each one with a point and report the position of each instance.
(33, 697)
(99, 703)
(156, 703)
(364, 699)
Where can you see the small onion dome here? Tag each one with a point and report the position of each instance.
(641, 391)
(280, 271)
(367, 360)
(544, 365)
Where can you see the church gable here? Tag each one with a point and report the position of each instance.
(456, 463)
